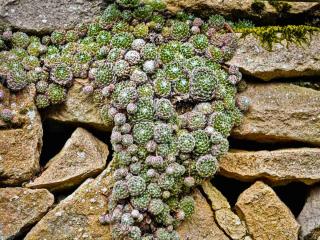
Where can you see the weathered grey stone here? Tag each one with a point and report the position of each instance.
(79, 109)
(20, 141)
(46, 15)
(243, 9)
(281, 62)
(20, 208)
(266, 217)
(277, 167)
(309, 217)
(82, 156)
(281, 112)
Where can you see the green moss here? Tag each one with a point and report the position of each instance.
(297, 34)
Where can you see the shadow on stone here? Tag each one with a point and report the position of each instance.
(293, 194)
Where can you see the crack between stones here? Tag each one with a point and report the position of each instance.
(213, 211)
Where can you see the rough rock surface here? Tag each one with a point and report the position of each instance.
(281, 112)
(20, 208)
(277, 167)
(241, 8)
(79, 109)
(225, 218)
(281, 62)
(201, 226)
(76, 217)
(21, 142)
(218, 201)
(265, 215)
(309, 218)
(82, 156)
(230, 223)
(47, 15)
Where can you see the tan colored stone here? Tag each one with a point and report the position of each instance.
(201, 226)
(281, 112)
(266, 217)
(309, 217)
(79, 109)
(20, 208)
(82, 156)
(20, 141)
(217, 200)
(241, 8)
(230, 223)
(281, 62)
(277, 167)
(77, 216)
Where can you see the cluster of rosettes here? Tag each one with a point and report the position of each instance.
(172, 103)
(173, 106)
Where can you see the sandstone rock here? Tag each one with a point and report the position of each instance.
(281, 112)
(79, 109)
(242, 9)
(217, 200)
(46, 15)
(20, 208)
(225, 218)
(265, 215)
(281, 62)
(277, 167)
(77, 216)
(82, 156)
(309, 218)
(201, 226)
(20, 141)
(230, 223)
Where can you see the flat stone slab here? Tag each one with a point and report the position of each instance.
(265, 215)
(82, 156)
(20, 141)
(79, 109)
(281, 112)
(20, 208)
(77, 216)
(281, 61)
(309, 217)
(277, 167)
(47, 15)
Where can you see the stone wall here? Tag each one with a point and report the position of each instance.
(281, 114)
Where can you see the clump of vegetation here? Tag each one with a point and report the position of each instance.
(160, 79)
(297, 34)
(242, 23)
(281, 7)
(258, 6)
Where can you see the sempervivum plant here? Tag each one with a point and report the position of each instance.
(172, 103)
